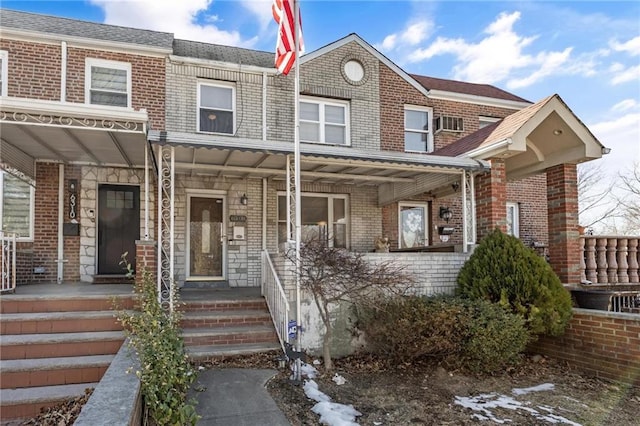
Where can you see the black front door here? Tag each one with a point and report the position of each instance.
(118, 226)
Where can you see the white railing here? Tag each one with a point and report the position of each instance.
(610, 259)
(8, 262)
(276, 298)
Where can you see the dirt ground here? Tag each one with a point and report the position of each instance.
(427, 394)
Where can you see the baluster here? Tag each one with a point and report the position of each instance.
(583, 265)
(612, 269)
(633, 261)
(623, 266)
(591, 260)
(601, 250)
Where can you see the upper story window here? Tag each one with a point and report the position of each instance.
(417, 130)
(16, 207)
(485, 121)
(4, 71)
(216, 108)
(324, 121)
(108, 83)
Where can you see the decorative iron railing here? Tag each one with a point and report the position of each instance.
(609, 260)
(7, 262)
(276, 298)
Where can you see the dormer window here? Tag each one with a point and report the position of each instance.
(108, 83)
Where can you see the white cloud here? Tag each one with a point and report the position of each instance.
(261, 9)
(624, 105)
(389, 43)
(414, 33)
(625, 75)
(621, 134)
(178, 17)
(632, 47)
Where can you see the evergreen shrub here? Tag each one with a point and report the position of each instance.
(503, 270)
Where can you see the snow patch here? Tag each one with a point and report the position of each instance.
(338, 379)
(331, 413)
(540, 388)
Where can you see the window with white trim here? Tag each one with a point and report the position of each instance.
(17, 206)
(4, 72)
(413, 230)
(216, 108)
(417, 129)
(484, 121)
(107, 83)
(324, 217)
(324, 121)
(513, 219)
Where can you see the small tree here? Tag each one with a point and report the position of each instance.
(334, 275)
(502, 270)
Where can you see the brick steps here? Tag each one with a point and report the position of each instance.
(24, 373)
(202, 319)
(58, 322)
(23, 346)
(228, 335)
(39, 304)
(27, 402)
(209, 352)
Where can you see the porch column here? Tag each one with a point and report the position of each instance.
(491, 199)
(562, 201)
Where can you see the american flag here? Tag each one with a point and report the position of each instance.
(285, 47)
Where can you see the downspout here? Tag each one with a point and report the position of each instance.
(63, 72)
(264, 214)
(60, 223)
(264, 106)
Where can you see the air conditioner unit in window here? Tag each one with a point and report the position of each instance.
(448, 124)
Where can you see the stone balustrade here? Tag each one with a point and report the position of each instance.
(609, 260)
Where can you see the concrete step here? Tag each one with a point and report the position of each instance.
(38, 304)
(23, 373)
(224, 305)
(229, 335)
(205, 319)
(27, 403)
(208, 352)
(59, 322)
(53, 345)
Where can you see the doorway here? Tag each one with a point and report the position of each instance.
(118, 227)
(206, 239)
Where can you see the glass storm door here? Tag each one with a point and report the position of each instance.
(206, 238)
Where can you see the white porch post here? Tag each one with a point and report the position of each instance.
(469, 210)
(146, 191)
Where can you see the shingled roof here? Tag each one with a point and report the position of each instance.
(217, 52)
(485, 90)
(83, 29)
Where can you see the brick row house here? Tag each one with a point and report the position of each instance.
(123, 140)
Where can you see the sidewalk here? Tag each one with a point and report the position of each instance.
(236, 397)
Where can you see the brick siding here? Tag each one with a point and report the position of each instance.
(45, 238)
(603, 344)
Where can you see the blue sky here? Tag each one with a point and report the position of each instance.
(586, 51)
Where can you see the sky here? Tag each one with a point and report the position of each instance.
(588, 52)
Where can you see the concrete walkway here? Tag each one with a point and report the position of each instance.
(236, 397)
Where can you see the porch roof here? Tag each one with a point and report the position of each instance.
(41, 130)
(392, 172)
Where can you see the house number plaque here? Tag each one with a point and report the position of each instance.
(73, 198)
(238, 218)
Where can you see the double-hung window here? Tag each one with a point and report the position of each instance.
(417, 129)
(108, 83)
(216, 108)
(324, 217)
(16, 207)
(4, 68)
(324, 121)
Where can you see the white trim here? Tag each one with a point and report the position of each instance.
(91, 62)
(4, 72)
(61, 202)
(220, 84)
(322, 102)
(429, 111)
(32, 205)
(487, 120)
(85, 43)
(213, 194)
(516, 218)
(37, 106)
(483, 150)
(63, 71)
(230, 66)
(425, 224)
(477, 100)
(330, 219)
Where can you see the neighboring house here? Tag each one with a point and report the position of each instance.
(116, 127)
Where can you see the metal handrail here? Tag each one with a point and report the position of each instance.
(276, 298)
(7, 262)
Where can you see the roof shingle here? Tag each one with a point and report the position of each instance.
(485, 90)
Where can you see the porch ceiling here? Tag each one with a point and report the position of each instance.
(397, 175)
(34, 130)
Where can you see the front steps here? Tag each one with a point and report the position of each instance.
(52, 348)
(226, 322)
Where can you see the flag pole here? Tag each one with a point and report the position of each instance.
(296, 178)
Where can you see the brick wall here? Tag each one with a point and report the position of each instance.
(45, 238)
(531, 195)
(146, 259)
(72, 243)
(604, 344)
(491, 199)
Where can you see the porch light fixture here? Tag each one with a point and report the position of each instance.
(445, 214)
(455, 186)
(244, 200)
(557, 132)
